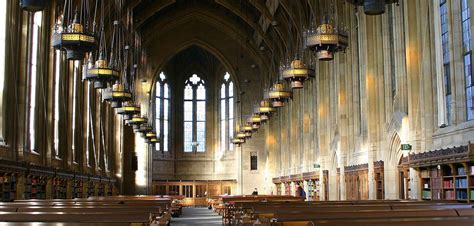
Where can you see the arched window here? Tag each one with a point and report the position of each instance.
(226, 113)
(162, 107)
(194, 115)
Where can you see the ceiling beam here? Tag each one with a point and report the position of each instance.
(150, 10)
(262, 8)
(245, 17)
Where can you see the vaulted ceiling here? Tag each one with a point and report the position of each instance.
(226, 28)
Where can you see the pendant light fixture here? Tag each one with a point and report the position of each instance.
(297, 73)
(279, 95)
(143, 129)
(128, 109)
(116, 95)
(238, 141)
(295, 70)
(327, 39)
(255, 121)
(265, 109)
(119, 92)
(103, 72)
(136, 121)
(150, 137)
(373, 7)
(33, 5)
(75, 31)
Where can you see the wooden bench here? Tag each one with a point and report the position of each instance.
(108, 211)
(306, 213)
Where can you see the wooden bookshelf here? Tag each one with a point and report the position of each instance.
(8, 186)
(90, 189)
(77, 188)
(313, 185)
(446, 174)
(59, 188)
(35, 187)
(379, 179)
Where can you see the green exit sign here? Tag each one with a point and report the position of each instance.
(406, 147)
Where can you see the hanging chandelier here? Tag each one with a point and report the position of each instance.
(326, 40)
(33, 5)
(101, 73)
(150, 137)
(104, 72)
(136, 121)
(238, 141)
(278, 95)
(247, 129)
(143, 129)
(116, 95)
(266, 109)
(75, 31)
(297, 73)
(254, 121)
(241, 135)
(372, 7)
(128, 109)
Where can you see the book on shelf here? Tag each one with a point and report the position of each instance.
(461, 183)
(426, 195)
(449, 195)
(461, 171)
(425, 174)
(448, 183)
(461, 194)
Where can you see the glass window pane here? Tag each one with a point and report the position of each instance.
(231, 107)
(158, 89)
(231, 133)
(188, 110)
(165, 135)
(201, 110)
(222, 107)
(231, 89)
(166, 91)
(37, 19)
(158, 108)
(223, 91)
(201, 92)
(188, 136)
(188, 92)
(162, 76)
(165, 108)
(57, 79)
(222, 136)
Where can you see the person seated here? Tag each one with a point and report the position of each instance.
(255, 192)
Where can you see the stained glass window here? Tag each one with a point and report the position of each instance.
(466, 38)
(162, 108)
(194, 115)
(226, 113)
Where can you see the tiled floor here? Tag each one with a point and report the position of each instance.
(197, 216)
